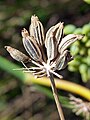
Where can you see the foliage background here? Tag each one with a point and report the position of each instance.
(27, 102)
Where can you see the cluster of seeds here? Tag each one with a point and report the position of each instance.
(36, 43)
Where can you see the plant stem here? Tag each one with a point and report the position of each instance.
(55, 94)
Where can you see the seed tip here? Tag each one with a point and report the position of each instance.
(34, 18)
(24, 33)
(7, 47)
(79, 37)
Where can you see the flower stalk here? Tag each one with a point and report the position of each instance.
(55, 94)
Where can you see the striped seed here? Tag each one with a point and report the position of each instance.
(36, 30)
(51, 47)
(59, 33)
(67, 41)
(61, 60)
(17, 55)
(32, 47)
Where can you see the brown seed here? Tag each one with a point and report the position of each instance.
(31, 47)
(68, 58)
(51, 47)
(36, 30)
(60, 61)
(17, 55)
(67, 41)
(57, 30)
(59, 33)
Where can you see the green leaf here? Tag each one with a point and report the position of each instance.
(9, 66)
(48, 93)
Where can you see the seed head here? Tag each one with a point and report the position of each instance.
(35, 43)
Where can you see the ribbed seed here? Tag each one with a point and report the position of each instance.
(31, 46)
(59, 33)
(53, 37)
(52, 29)
(51, 41)
(68, 40)
(51, 47)
(61, 60)
(48, 34)
(67, 59)
(37, 30)
(57, 30)
(17, 55)
(32, 49)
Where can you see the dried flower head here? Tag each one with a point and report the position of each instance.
(55, 44)
(80, 107)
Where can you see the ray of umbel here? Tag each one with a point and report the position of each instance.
(35, 43)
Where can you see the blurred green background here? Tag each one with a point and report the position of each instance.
(31, 102)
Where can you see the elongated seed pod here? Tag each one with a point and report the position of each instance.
(51, 47)
(53, 38)
(59, 33)
(49, 33)
(68, 58)
(31, 46)
(67, 41)
(17, 55)
(57, 30)
(51, 41)
(36, 30)
(52, 29)
(61, 60)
